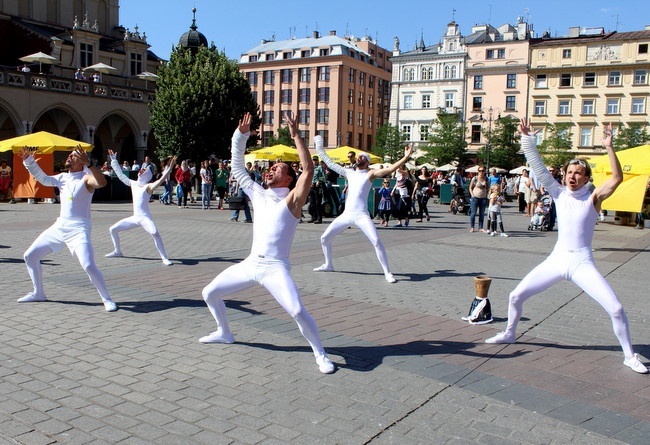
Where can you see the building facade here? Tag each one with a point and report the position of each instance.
(336, 87)
(107, 107)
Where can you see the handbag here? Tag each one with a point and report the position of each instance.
(237, 202)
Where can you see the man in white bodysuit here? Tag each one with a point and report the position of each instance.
(572, 258)
(277, 213)
(141, 191)
(72, 227)
(359, 182)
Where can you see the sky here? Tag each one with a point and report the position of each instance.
(237, 27)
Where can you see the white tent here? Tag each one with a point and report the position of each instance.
(518, 170)
(474, 169)
(446, 168)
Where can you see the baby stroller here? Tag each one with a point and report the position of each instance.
(460, 201)
(540, 220)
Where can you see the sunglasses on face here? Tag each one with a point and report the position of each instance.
(481, 171)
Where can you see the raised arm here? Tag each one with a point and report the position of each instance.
(381, 172)
(318, 142)
(238, 148)
(168, 168)
(529, 145)
(298, 196)
(118, 169)
(35, 170)
(607, 188)
(94, 178)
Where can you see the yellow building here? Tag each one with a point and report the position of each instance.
(337, 87)
(588, 79)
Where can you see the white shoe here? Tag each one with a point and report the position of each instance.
(110, 306)
(493, 234)
(114, 254)
(505, 235)
(489, 233)
(390, 278)
(32, 298)
(325, 365)
(501, 338)
(323, 268)
(218, 337)
(635, 364)
(166, 262)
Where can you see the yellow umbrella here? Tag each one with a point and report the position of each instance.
(635, 161)
(43, 141)
(279, 151)
(340, 154)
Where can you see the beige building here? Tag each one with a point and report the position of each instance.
(337, 87)
(497, 78)
(587, 79)
(108, 108)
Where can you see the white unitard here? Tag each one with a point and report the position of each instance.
(356, 210)
(141, 214)
(268, 263)
(571, 258)
(71, 229)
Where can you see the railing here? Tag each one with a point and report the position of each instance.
(48, 82)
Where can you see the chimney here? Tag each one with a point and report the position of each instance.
(315, 34)
(333, 32)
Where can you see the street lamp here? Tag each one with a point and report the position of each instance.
(488, 146)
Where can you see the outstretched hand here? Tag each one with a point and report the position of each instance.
(245, 123)
(607, 135)
(81, 155)
(112, 155)
(291, 123)
(524, 127)
(408, 150)
(26, 152)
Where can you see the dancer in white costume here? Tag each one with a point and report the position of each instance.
(141, 191)
(277, 213)
(571, 258)
(72, 227)
(356, 205)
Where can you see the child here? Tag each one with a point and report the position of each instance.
(385, 204)
(494, 211)
(539, 214)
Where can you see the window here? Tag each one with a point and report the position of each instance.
(501, 53)
(424, 132)
(286, 55)
(362, 79)
(426, 101)
(323, 94)
(566, 53)
(643, 48)
(252, 78)
(269, 78)
(305, 95)
(269, 97)
(304, 135)
(323, 116)
(588, 106)
(408, 74)
(136, 64)
(476, 134)
(325, 135)
(351, 75)
(590, 79)
(408, 101)
(324, 52)
(369, 124)
(323, 73)
(540, 107)
(303, 116)
(511, 103)
(350, 117)
(85, 54)
(266, 135)
(270, 56)
(371, 81)
(370, 101)
(450, 71)
(287, 75)
(585, 137)
(511, 81)
(613, 106)
(449, 100)
(287, 96)
(268, 118)
(614, 78)
(496, 53)
(350, 96)
(254, 96)
(565, 80)
(540, 81)
(427, 73)
(638, 105)
(477, 103)
(305, 74)
(252, 58)
(305, 53)
(640, 77)
(406, 131)
(564, 107)
(489, 54)
(478, 82)
(360, 119)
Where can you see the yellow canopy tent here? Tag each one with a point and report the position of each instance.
(24, 186)
(279, 151)
(340, 154)
(635, 163)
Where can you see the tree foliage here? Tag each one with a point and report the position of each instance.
(200, 98)
(631, 136)
(446, 142)
(283, 137)
(555, 149)
(504, 145)
(389, 143)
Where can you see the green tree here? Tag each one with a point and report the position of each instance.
(631, 136)
(283, 137)
(504, 144)
(199, 101)
(389, 143)
(556, 146)
(446, 142)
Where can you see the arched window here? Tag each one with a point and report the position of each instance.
(453, 72)
(447, 72)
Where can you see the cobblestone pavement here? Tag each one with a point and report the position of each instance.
(409, 371)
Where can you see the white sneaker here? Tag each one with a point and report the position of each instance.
(325, 365)
(114, 254)
(32, 298)
(390, 278)
(166, 262)
(635, 364)
(505, 235)
(489, 233)
(110, 306)
(493, 234)
(323, 268)
(501, 338)
(218, 337)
